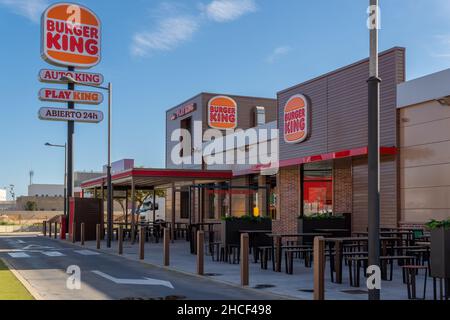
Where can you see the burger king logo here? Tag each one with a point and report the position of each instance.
(222, 113)
(296, 119)
(71, 36)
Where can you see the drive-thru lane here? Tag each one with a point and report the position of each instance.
(44, 263)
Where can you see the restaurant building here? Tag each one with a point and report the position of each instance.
(322, 149)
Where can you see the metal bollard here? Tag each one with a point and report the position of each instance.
(244, 259)
(82, 233)
(44, 228)
(120, 240)
(166, 241)
(98, 235)
(319, 268)
(200, 252)
(141, 243)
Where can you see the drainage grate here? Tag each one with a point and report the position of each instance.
(212, 274)
(306, 290)
(356, 291)
(264, 286)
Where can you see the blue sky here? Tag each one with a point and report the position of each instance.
(159, 53)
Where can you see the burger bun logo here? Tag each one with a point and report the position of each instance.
(222, 113)
(71, 36)
(296, 119)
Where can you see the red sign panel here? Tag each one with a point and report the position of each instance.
(184, 110)
(296, 119)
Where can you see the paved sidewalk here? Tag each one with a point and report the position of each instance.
(299, 285)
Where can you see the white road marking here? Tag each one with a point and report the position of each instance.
(53, 253)
(87, 252)
(145, 281)
(20, 241)
(37, 247)
(19, 255)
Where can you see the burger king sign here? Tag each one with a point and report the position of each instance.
(71, 36)
(222, 113)
(296, 119)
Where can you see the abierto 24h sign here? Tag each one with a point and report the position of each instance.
(71, 36)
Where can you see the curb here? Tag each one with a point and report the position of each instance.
(285, 297)
(22, 280)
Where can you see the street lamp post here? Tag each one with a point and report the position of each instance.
(66, 199)
(374, 147)
(109, 204)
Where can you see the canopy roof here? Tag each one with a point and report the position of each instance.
(151, 178)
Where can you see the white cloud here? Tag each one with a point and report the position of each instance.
(229, 10)
(277, 53)
(31, 9)
(174, 28)
(170, 33)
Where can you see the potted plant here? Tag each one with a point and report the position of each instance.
(232, 225)
(440, 248)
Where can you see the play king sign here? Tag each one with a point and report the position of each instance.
(71, 36)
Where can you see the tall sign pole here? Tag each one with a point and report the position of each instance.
(70, 38)
(374, 146)
(70, 134)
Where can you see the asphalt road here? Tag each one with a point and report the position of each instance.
(43, 263)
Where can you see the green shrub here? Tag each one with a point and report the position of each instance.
(435, 224)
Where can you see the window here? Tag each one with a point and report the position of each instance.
(186, 124)
(253, 193)
(317, 186)
(184, 205)
(272, 182)
(211, 193)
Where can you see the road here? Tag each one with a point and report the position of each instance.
(44, 262)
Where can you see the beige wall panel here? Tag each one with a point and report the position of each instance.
(427, 176)
(430, 132)
(426, 198)
(422, 113)
(425, 155)
(424, 215)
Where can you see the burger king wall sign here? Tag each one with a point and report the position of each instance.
(71, 36)
(222, 113)
(297, 124)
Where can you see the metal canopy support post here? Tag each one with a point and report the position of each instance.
(154, 205)
(374, 148)
(133, 211)
(172, 229)
(126, 208)
(230, 204)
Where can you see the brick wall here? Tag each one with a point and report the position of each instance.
(288, 204)
(342, 186)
